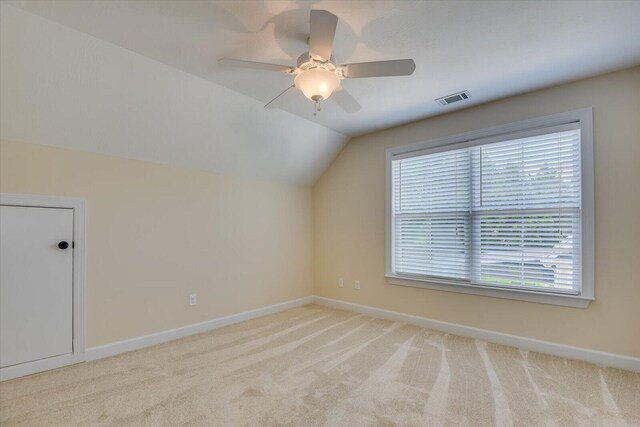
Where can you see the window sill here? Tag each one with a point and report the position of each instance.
(576, 301)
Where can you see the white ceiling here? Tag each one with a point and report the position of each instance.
(140, 79)
(491, 48)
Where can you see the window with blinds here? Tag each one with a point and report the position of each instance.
(503, 212)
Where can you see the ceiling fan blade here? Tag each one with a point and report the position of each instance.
(241, 63)
(281, 99)
(398, 67)
(321, 35)
(347, 102)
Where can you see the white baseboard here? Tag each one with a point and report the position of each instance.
(16, 371)
(112, 349)
(570, 352)
(593, 356)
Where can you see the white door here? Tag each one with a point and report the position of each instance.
(36, 289)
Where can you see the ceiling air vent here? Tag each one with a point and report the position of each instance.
(454, 97)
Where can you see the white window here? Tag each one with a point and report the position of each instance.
(505, 212)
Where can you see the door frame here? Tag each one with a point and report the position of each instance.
(78, 279)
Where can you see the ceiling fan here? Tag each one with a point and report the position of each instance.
(316, 73)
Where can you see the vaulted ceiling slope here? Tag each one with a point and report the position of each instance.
(493, 49)
(62, 87)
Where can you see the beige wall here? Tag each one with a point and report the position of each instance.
(157, 233)
(349, 221)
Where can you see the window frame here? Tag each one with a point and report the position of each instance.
(584, 119)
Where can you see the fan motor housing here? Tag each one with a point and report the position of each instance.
(305, 62)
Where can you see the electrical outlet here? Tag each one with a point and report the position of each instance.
(357, 284)
(341, 282)
(193, 299)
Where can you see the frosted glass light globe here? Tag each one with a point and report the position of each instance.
(317, 84)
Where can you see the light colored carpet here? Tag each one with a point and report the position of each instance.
(313, 366)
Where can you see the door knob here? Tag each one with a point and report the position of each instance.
(63, 245)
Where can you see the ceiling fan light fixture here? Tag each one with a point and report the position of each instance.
(317, 84)
(317, 74)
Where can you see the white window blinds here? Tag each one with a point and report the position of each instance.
(431, 200)
(499, 214)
